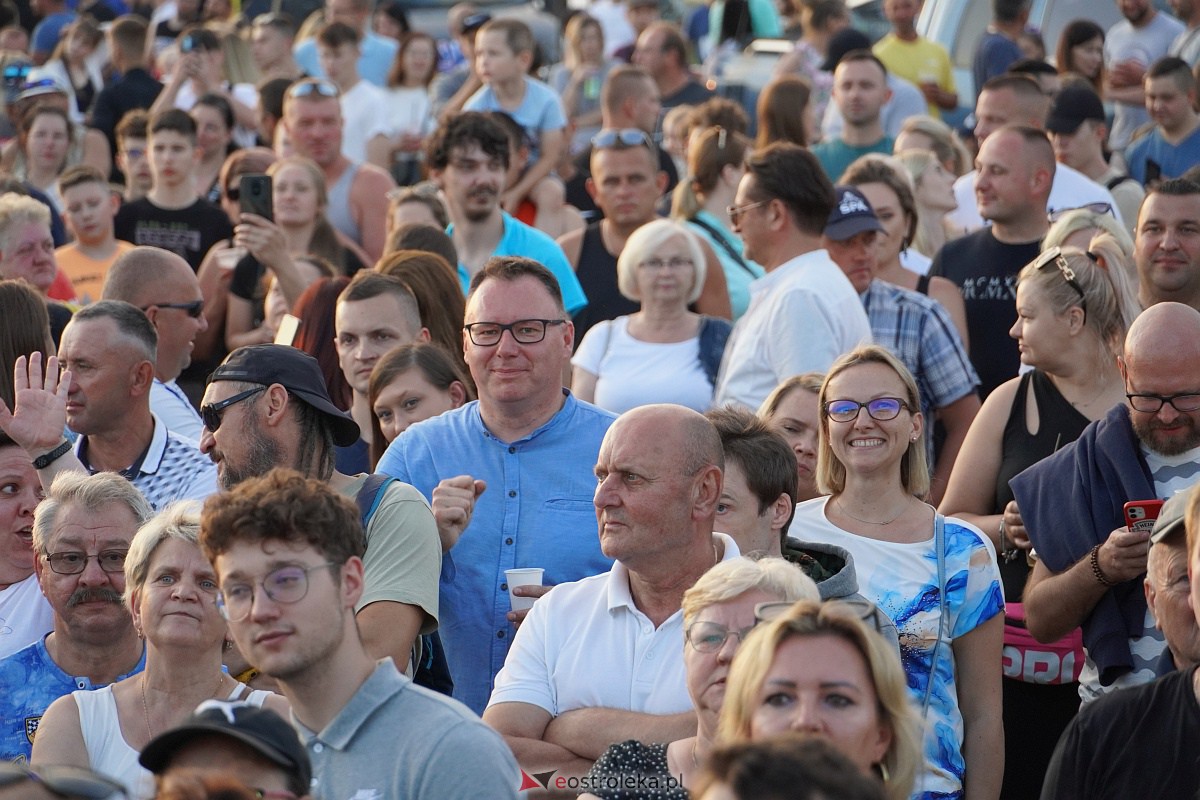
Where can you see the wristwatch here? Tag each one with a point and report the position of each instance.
(46, 459)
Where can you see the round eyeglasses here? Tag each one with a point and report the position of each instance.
(284, 585)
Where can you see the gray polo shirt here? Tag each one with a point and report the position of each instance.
(395, 739)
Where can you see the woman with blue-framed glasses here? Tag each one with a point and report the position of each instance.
(935, 577)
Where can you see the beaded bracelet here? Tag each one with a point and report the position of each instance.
(1096, 571)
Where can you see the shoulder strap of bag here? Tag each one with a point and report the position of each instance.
(939, 543)
(724, 245)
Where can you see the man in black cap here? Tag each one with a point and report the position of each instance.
(253, 745)
(267, 406)
(1078, 129)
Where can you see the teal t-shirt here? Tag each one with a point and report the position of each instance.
(835, 155)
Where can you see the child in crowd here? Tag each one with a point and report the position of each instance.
(503, 57)
(89, 208)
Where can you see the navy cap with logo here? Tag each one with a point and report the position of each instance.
(1072, 107)
(263, 731)
(852, 214)
(294, 370)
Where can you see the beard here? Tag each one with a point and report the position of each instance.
(263, 455)
(1150, 432)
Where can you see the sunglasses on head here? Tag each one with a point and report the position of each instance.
(313, 86)
(622, 137)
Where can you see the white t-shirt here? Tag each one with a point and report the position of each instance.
(25, 616)
(365, 111)
(632, 373)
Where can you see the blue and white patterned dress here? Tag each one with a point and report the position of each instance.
(902, 580)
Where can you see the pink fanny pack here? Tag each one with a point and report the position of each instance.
(1030, 661)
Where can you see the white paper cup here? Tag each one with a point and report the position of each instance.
(529, 576)
(230, 256)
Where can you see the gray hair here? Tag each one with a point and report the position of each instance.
(179, 520)
(131, 322)
(16, 208)
(644, 243)
(90, 492)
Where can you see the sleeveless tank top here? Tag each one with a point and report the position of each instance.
(597, 274)
(109, 753)
(1059, 425)
(338, 210)
(923, 284)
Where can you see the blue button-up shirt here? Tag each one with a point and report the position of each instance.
(537, 512)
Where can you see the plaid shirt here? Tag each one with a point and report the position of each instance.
(918, 330)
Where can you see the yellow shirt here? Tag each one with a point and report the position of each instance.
(918, 62)
(86, 274)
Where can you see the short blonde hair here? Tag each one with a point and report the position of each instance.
(914, 468)
(643, 244)
(733, 578)
(809, 619)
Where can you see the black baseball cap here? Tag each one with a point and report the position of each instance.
(260, 729)
(844, 41)
(1072, 107)
(296, 371)
(852, 214)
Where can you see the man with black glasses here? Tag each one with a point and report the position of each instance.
(80, 537)
(1090, 564)
(530, 445)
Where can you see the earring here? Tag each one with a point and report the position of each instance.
(883, 772)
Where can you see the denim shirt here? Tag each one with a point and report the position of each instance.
(536, 512)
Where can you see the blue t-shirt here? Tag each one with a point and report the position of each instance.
(996, 52)
(29, 682)
(374, 59)
(540, 110)
(537, 512)
(1172, 159)
(523, 240)
(48, 32)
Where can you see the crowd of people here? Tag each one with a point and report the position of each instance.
(392, 417)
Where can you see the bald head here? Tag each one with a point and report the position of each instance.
(139, 276)
(692, 439)
(1161, 364)
(659, 476)
(1165, 331)
(1010, 99)
(163, 285)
